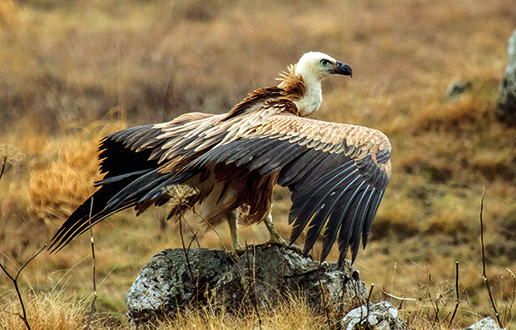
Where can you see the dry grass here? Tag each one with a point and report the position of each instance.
(50, 310)
(57, 311)
(54, 189)
(292, 313)
(107, 65)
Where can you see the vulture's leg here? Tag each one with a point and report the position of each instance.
(276, 239)
(233, 228)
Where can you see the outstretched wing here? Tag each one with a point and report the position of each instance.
(337, 174)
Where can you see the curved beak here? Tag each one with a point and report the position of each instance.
(343, 69)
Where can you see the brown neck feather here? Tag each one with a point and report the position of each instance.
(257, 98)
(292, 83)
(291, 87)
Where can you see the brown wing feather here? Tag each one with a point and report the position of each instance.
(366, 141)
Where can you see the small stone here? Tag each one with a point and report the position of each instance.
(484, 324)
(456, 89)
(379, 316)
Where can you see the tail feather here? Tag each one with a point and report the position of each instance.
(79, 221)
(129, 191)
(123, 163)
(133, 177)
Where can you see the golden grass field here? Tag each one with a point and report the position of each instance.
(72, 72)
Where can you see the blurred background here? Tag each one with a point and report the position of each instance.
(73, 71)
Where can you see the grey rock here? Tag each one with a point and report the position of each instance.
(379, 316)
(456, 89)
(484, 324)
(266, 275)
(506, 105)
(166, 284)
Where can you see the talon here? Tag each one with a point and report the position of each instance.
(265, 245)
(271, 243)
(238, 250)
(278, 241)
(298, 250)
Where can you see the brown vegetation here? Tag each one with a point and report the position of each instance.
(73, 72)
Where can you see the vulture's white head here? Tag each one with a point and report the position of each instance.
(314, 67)
(317, 66)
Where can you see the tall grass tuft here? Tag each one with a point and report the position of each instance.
(59, 184)
(55, 310)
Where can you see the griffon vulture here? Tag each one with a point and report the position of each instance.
(337, 173)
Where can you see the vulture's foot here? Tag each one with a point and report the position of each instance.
(276, 239)
(238, 250)
(279, 241)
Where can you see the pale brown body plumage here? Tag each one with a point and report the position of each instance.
(235, 159)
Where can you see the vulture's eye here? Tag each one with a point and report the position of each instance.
(325, 62)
